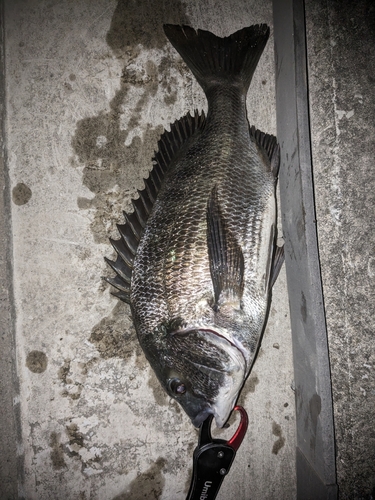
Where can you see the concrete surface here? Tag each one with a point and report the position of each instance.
(340, 37)
(9, 414)
(90, 85)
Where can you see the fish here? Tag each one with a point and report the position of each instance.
(197, 257)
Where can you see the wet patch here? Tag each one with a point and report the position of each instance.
(279, 443)
(63, 372)
(111, 165)
(114, 154)
(114, 336)
(21, 194)
(303, 307)
(170, 98)
(140, 22)
(249, 387)
(89, 456)
(148, 484)
(74, 383)
(57, 453)
(315, 407)
(160, 395)
(36, 361)
(76, 440)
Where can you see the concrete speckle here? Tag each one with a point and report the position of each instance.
(36, 361)
(57, 452)
(21, 194)
(76, 438)
(63, 372)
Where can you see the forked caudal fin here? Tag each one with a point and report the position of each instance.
(214, 60)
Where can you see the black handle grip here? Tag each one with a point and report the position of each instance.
(211, 464)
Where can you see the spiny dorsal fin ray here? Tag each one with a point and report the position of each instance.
(225, 254)
(121, 268)
(134, 224)
(270, 146)
(125, 297)
(131, 232)
(119, 283)
(123, 250)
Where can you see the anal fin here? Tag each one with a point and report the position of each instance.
(269, 145)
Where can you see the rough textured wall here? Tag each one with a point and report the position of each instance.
(341, 41)
(90, 87)
(8, 381)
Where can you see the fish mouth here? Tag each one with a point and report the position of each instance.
(201, 417)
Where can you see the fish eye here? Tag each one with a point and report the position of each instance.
(177, 387)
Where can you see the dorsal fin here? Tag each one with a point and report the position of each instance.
(270, 146)
(131, 232)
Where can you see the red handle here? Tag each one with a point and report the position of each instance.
(237, 438)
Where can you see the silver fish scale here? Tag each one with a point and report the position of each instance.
(171, 277)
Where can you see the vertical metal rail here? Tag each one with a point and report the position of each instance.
(316, 471)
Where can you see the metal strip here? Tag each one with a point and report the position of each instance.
(316, 471)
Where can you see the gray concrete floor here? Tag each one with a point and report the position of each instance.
(90, 85)
(340, 37)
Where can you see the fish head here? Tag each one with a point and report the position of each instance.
(203, 372)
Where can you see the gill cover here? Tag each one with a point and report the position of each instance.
(202, 371)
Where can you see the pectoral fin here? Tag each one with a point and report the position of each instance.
(278, 260)
(225, 254)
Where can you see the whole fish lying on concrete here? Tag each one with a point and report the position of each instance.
(197, 257)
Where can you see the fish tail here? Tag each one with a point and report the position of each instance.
(213, 60)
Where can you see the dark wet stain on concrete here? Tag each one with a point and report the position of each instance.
(147, 485)
(303, 307)
(140, 22)
(57, 453)
(63, 372)
(76, 440)
(249, 387)
(159, 393)
(279, 443)
(21, 194)
(315, 407)
(114, 336)
(110, 165)
(36, 361)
